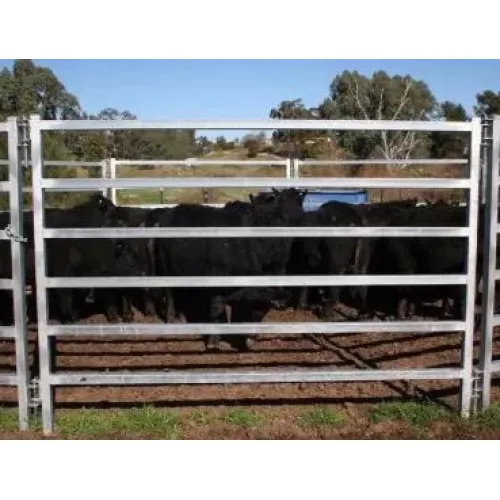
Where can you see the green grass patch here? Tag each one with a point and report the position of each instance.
(490, 417)
(321, 417)
(243, 418)
(202, 417)
(417, 415)
(9, 419)
(94, 423)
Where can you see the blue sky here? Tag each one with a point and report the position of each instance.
(218, 89)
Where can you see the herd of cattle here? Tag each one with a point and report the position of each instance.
(247, 256)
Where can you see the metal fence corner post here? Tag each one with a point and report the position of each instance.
(489, 264)
(466, 389)
(17, 141)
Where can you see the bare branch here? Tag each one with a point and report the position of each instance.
(355, 94)
(404, 99)
(380, 105)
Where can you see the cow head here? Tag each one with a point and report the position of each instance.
(288, 201)
(130, 258)
(100, 203)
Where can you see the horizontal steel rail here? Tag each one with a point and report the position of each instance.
(250, 163)
(202, 163)
(495, 366)
(30, 190)
(3, 236)
(7, 332)
(243, 377)
(6, 284)
(386, 161)
(168, 205)
(359, 125)
(62, 163)
(285, 328)
(253, 232)
(5, 187)
(8, 379)
(256, 281)
(255, 182)
(4, 127)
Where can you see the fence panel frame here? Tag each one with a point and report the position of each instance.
(46, 332)
(15, 232)
(489, 320)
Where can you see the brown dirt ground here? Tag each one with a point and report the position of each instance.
(358, 351)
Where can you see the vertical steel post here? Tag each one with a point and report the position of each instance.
(296, 167)
(112, 175)
(491, 178)
(468, 339)
(18, 263)
(288, 168)
(104, 175)
(44, 345)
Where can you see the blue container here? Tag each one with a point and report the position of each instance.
(314, 199)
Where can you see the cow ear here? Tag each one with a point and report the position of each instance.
(251, 198)
(275, 191)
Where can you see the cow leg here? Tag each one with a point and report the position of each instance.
(402, 309)
(447, 307)
(239, 342)
(332, 302)
(127, 312)
(111, 307)
(66, 307)
(303, 297)
(170, 306)
(218, 314)
(149, 306)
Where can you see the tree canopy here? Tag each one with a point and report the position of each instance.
(30, 89)
(27, 88)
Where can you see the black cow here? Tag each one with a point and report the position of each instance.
(142, 298)
(220, 257)
(74, 257)
(323, 255)
(86, 257)
(428, 255)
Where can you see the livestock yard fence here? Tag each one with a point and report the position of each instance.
(472, 378)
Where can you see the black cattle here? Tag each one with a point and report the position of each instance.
(84, 257)
(142, 298)
(289, 201)
(220, 257)
(373, 214)
(88, 257)
(323, 255)
(203, 256)
(428, 255)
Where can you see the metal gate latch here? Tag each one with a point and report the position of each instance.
(13, 236)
